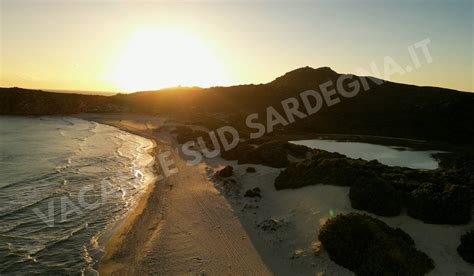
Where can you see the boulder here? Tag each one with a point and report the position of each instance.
(270, 225)
(255, 192)
(227, 171)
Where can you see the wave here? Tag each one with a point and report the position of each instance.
(54, 194)
(31, 180)
(61, 239)
(82, 153)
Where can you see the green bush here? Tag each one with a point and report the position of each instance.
(273, 153)
(325, 167)
(466, 248)
(438, 203)
(368, 246)
(442, 196)
(375, 195)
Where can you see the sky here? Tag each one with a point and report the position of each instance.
(126, 46)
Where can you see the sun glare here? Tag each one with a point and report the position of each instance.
(166, 58)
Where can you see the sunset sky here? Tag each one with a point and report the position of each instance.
(139, 45)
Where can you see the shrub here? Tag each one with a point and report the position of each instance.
(466, 248)
(324, 167)
(437, 203)
(375, 195)
(368, 246)
(428, 195)
(251, 169)
(273, 153)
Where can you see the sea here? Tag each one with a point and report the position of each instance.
(64, 184)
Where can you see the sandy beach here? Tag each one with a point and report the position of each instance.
(181, 225)
(195, 222)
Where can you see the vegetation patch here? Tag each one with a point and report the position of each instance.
(273, 153)
(251, 170)
(466, 248)
(325, 167)
(368, 246)
(442, 196)
(375, 195)
(436, 203)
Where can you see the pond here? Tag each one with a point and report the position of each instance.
(391, 156)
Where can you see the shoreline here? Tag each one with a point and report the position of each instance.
(181, 224)
(115, 167)
(113, 238)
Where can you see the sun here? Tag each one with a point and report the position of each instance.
(159, 58)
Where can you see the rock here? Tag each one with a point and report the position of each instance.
(375, 195)
(323, 221)
(466, 248)
(230, 182)
(230, 187)
(368, 246)
(227, 171)
(316, 247)
(255, 192)
(297, 253)
(250, 206)
(251, 169)
(270, 224)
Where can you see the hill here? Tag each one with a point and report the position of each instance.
(385, 109)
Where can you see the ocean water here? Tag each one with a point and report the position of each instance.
(63, 184)
(391, 156)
